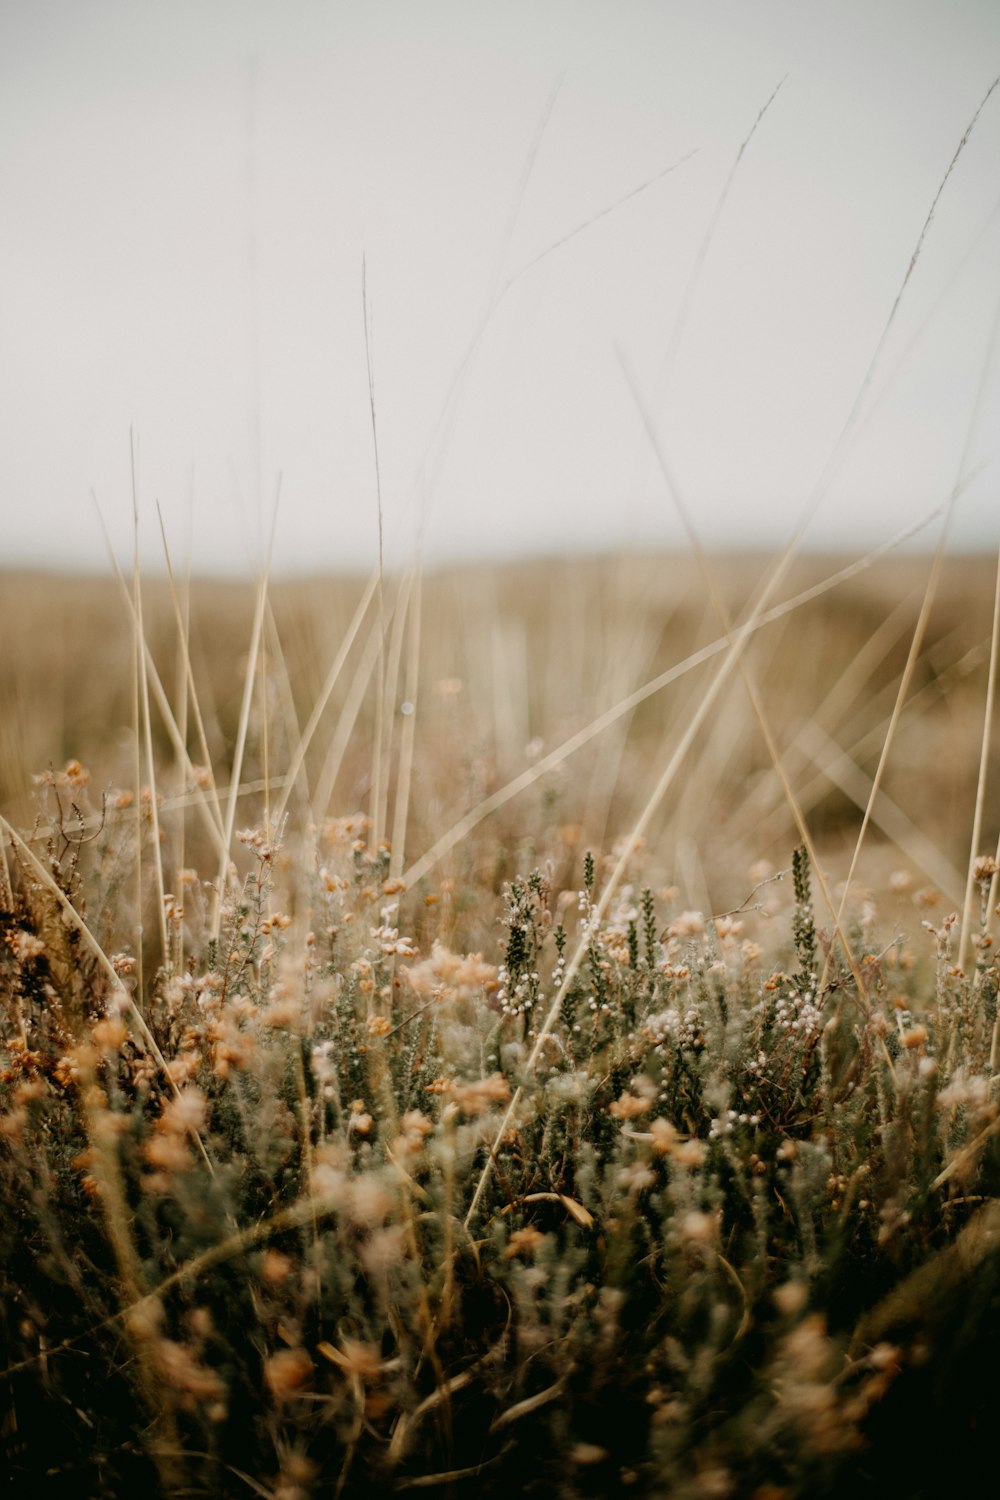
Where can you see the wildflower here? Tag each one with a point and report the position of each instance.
(585, 1454)
(297, 1475)
(168, 1153)
(323, 1067)
(476, 1098)
(27, 946)
(371, 1201)
(68, 1067)
(697, 1229)
(663, 1135)
(328, 1182)
(359, 1360)
(968, 1091)
(183, 1370)
(636, 1178)
(287, 1372)
(366, 975)
(231, 1048)
(415, 1123)
(283, 1012)
(275, 1267)
(392, 944)
(689, 1153)
(627, 1106)
(688, 924)
(185, 1112)
(345, 830)
(74, 775)
(109, 1034)
(383, 1249)
(414, 1128)
(524, 1242)
(360, 1122)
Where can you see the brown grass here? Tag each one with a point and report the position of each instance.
(515, 659)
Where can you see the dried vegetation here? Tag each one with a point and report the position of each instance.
(361, 1130)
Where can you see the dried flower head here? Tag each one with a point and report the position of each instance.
(476, 1098)
(287, 1372)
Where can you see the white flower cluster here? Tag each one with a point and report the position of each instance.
(388, 937)
(799, 1013)
(670, 1026)
(324, 1068)
(726, 1123)
(519, 1000)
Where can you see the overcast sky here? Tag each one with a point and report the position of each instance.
(188, 192)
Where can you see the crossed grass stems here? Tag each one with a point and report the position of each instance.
(617, 956)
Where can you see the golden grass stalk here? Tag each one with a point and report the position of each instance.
(491, 804)
(407, 740)
(750, 686)
(144, 738)
(929, 595)
(209, 810)
(977, 820)
(319, 707)
(191, 692)
(350, 709)
(839, 767)
(241, 740)
(390, 692)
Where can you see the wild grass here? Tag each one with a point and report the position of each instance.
(446, 1043)
(586, 1136)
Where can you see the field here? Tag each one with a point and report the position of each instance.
(441, 1048)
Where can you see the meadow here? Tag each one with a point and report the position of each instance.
(524, 1029)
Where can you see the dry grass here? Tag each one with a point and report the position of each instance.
(337, 1163)
(533, 655)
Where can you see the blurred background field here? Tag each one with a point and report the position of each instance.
(494, 667)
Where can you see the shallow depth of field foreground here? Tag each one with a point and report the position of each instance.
(518, 1031)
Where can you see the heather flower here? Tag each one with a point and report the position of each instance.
(688, 924)
(192, 1381)
(287, 1372)
(444, 972)
(27, 946)
(476, 1098)
(524, 1241)
(628, 1106)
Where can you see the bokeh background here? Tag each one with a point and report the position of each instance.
(190, 193)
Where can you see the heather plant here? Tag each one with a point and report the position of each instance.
(347, 1215)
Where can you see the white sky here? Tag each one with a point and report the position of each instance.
(187, 192)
